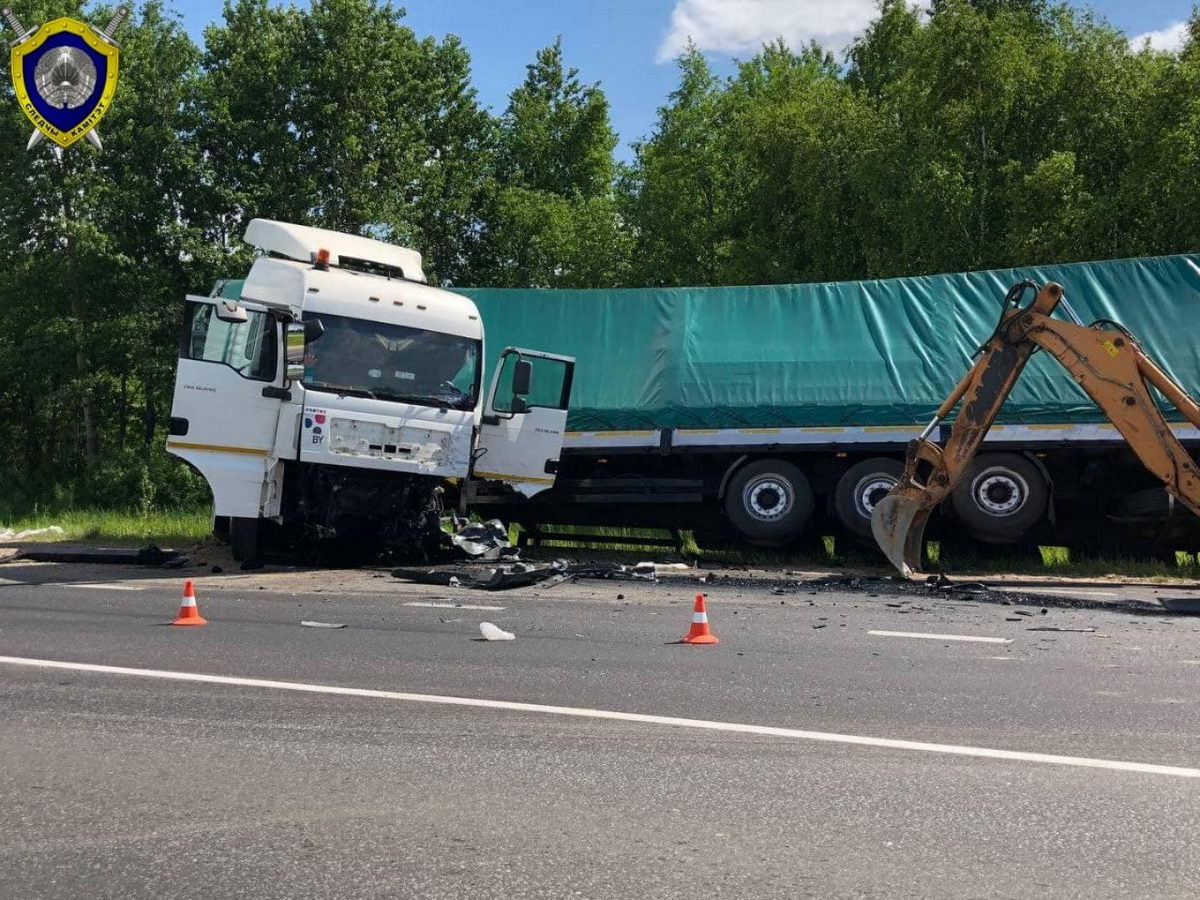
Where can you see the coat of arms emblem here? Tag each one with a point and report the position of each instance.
(65, 75)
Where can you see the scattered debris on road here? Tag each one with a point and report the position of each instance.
(67, 553)
(523, 574)
(324, 624)
(481, 540)
(1011, 594)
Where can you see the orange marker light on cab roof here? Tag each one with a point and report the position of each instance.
(322, 262)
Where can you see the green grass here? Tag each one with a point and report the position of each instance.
(1058, 561)
(161, 527)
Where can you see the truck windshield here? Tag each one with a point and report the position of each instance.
(392, 362)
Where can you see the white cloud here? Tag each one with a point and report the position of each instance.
(1170, 38)
(736, 26)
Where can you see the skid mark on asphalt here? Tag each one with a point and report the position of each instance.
(612, 715)
(941, 637)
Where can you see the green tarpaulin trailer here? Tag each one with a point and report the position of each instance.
(860, 353)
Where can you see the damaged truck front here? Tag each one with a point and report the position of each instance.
(334, 396)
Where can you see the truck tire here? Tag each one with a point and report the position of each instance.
(769, 502)
(1150, 504)
(857, 492)
(1001, 496)
(243, 538)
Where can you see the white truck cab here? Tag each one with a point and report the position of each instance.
(339, 391)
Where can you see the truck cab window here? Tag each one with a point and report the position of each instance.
(250, 348)
(358, 357)
(547, 386)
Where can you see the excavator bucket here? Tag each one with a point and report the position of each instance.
(898, 524)
(930, 471)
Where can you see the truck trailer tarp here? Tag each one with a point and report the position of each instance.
(858, 353)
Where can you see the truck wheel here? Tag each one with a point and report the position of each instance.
(769, 502)
(243, 538)
(857, 492)
(1000, 498)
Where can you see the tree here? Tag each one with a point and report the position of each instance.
(678, 194)
(99, 247)
(555, 135)
(794, 134)
(552, 218)
(339, 116)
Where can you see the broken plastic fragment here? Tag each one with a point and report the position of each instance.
(491, 632)
(324, 624)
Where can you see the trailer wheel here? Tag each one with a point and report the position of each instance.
(243, 538)
(769, 502)
(857, 492)
(1001, 496)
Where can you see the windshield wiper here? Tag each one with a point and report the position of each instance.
(428, 400)
(341, 390)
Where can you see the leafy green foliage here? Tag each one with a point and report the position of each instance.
(985, 133)
(551, 219)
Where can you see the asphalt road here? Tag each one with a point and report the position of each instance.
(136, 785)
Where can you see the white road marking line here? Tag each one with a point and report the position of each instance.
(1086, 593)
(453, 606)
(583, 713)
(104, 587)
(941, 637)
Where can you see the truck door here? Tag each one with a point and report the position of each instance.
(228, 394)
(521, 435)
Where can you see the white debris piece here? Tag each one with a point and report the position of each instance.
(654, 568)
(31, 532)
(491, 632)
(324, 624)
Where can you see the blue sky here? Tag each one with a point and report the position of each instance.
(626, 45)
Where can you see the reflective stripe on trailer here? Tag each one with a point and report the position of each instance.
(497, 476)
(835, 434)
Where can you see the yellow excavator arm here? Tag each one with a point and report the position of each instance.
(1104, 359)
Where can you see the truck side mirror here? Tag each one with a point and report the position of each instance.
(314, 329)
(294, 345)
(228, 311)
(522, 377)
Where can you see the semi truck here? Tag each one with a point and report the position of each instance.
(766, 415)
(337, 396)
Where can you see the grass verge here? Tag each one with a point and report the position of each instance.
(161, 527)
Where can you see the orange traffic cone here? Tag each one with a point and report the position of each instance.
(189, 613)
(699, 633)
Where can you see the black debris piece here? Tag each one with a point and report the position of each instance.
(522, 574)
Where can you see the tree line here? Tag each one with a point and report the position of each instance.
(977, 134)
